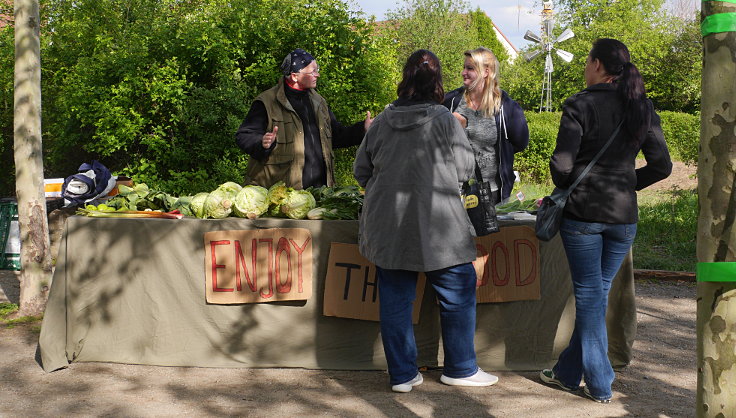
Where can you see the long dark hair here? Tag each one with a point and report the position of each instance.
(616, 60)
(422, 78)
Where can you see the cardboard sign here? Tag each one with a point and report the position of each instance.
(264, 265)
(508, 265)
(351, 288)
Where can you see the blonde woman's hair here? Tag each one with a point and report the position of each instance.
(483, 58)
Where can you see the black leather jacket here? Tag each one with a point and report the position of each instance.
(607, 193)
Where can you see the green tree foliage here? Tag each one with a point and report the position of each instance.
(487, 36)
(656, 41)
(155, 89)
(681, 131)
(444, 27)
(7, 60)
(533, 162)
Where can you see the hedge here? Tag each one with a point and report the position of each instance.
(681, 131)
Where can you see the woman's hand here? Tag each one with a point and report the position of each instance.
(368, 120)
(460, 118)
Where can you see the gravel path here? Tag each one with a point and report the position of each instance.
(660, 382)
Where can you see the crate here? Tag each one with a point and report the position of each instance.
(9, 235)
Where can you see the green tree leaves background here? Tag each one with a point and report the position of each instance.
(155, 89)
(666, 49)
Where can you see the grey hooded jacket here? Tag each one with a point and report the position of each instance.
(411, 163)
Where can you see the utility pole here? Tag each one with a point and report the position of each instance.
(35, 253)
(716, 239)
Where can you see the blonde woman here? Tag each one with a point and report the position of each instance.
(494, 123)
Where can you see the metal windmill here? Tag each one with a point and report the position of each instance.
(547, 44)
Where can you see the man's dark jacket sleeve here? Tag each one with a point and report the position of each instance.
(251, 131)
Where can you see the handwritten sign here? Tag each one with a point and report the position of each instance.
(351, 288)
(252, 266)
(508, 265)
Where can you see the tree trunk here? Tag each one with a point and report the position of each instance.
(35, 255)
(716, 239)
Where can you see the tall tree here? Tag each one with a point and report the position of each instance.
(155, 89)
(487, 35)
(656, 40)
(444, 27)
(716, 240)
(35, 254)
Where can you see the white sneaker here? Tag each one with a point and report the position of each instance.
(480, 378)
(407, 386)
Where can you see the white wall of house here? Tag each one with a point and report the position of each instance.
(510, 48)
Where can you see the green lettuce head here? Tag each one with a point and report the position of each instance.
(219, 203)
(251, 202)
(231, 187)
(276, 197)
(197, 204)
(298, 204)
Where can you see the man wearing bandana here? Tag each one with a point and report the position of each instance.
(290, 131)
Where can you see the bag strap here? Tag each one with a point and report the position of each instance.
(478, 176)
(594, 160)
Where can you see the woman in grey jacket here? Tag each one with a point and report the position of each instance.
(599, 222)
(412, 162)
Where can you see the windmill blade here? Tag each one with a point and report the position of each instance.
(532, 54)
(565, 35)
(566, 56)
(530, 36)
(548, 67)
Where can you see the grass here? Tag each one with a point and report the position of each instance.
(7, 309)
(665, 238)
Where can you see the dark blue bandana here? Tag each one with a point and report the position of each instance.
(295, 61)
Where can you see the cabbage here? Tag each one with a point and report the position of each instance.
(197, 204)
(298, 204)
(251, 202)
(184, 205)
(277, 194)
(219, 203)
(231, 187)
(320, 213)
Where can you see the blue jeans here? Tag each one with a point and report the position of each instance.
(594, 252)
(455, 287)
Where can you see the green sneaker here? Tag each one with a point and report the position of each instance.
(590, 395)
(548, 376)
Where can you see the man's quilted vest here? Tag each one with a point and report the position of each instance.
(286, 161)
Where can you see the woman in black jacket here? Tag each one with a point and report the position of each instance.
(600, 217)
(495, 124)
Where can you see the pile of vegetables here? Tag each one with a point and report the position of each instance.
(232, 199)
(526, 205)
(141, 198)
(104, 211)
(336, 203)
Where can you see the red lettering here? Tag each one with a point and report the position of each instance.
(240, 260)
(283, 247)
(215, 266)
(270, 268)
(497, 281)
(299, 251)
(533, 273)
(482, 253)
